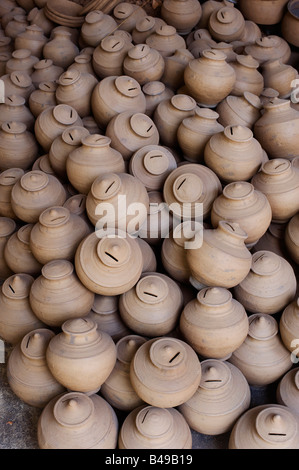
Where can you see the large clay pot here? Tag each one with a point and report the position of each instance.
(290, 23)
(7, 227)
(226, 24)
(14, 109)
(234, 154)
(150, 427)
(262, 357)
(74, 420)
(45, 71)
(28, 374)
(154, 93)
(222, 397)
(60, 48)
(214, 323)
(42, 98)
(8, 179)
(292, 238)
(109, 266)
(21, 60)
(18, 146)
(93, 158)
(287, 392)
(209, 78)
(81, 346)
(18, 254)
(109, 55)
(269, 48)
(289, 326)
(239, 110)
(116, 94)
(17, 318)
(279, 76)
(144, 64)
(248, 77)
(32, 38)
(34, 192)
(182, 14)
(96, 26)
(165, 372)
(75, 89)
(262, 11)
(166, 40)
(117, 389)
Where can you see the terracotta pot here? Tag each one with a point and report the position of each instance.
(60, 49)
(239, 110)
(269, 48)
(117, 389)
(76, 421)
(154, 93)
(150, 427)
(8, 179)
(81, 345)
(37, 16)
(53, 121)
(17, 318)
(287, 391)
(174, 67)
(6, 6)
(16, 26)
(18, 148)
(189, 185)
(148, 256)
(43, 164)
(222, 397)
(240, 202)
(144, 64)
(130, 131)
(76, 204)
(109, 266)
(267, 95)
(32, 38)
(18, 83)
(28, 374)
(18, 254)
(251, 33)
(278, 180)
(93, 158)
(182, 14)
(57, 234)
(144, 27)
(45, 71)
(279, 76)
(288, 326)
(262, 357)
(214, 323)
(200, 40)
(263, 12)
(7, 227)
(292, 239)
(33, 193)
(166, 40)
(116, 94)
(289, 25)
(165, 372)
(234, 154)
(14, 109)
(206, 73)
(43, 98)
(267, 427)
(9, 15)
(109, 55)
(248, 78)
(151, 165)
(226, 24)
(83, 63)
(21, 61)
(272, 240)
(96, 26)
(90, 124)
(127, 14)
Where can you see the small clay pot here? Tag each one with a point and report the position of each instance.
(159, 221)
(9, 15)
(75, 89)
(248, 78)
(18, 254)
(144, 64)
(272, 240)
(32, 38)
(22, 61)
(287, 392)
(37, 16)
(8, 179)
(292, 239)
(43, 164)
(18, 146)
(16, 26)
(182, 14)
(226, 24)
(7, 227)
(239, 110)
(45, 71)
(269, 48)
(166, 40)
(43, 98)
(127, 14)
(14, 109)
(144, 27)
(289, 25)
(96, 26)
(154, 93)
(28, 374)
(173, 252)
(60, 48)
(83, 63)
(289, 326)
(18, 83)
(279, 76)
(109, 55)
(174, 67)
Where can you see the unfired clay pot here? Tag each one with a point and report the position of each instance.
(18, 147)
(144, 27)
(60, 49)
(18, 254)
(287, 392)
(248, 78)
(45, 71)
(226, 24)
(7, 227)
(32, 38)
(182, 14)
(14, 109)
(154, 93)
(166, 40)
(292, 238)
(289, 326)
(289, 25)
(269, 48)
(262, 12)
(279, 76)
(21, 60)
(109, 55)
(239, 110)
(144, 64)
(173, 252)
(96, 26)
(75, 89)
(43, 97)
(8, 179)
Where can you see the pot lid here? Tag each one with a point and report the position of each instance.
(69, 77)
(152, 289)
(206, 113)
(57, 269)
(24, 233)
(10, 176)
(253, 99)
(139, 51)
(15, 100)
(112, 43)
(262, 326)
(183, 102)
(54, 216)
(238, 133)
(43, 64)
(114, 251)
(154, 422)
(78, 326)
(35, 343)
(96, 140)
(127, 346)
(167, 353)
(73, 409)
(123, 10)
(21, 79)
(276, 166)
(17, 286)
(145, 24)
(265, 263)
(214, 54)
(247, 61)
(7, 226)
(48, 87)
(276, 103)
(14, 127)
(127, 86)
(21, 53)
(276, 425)
(106, 186)
(166, 30)
(94, 16)
(187, 187)
(238, 190)
(215, 374)
(232, 228)
(153, 88)
(226, 15)
(34, 180)
(142, 125)
(214, 296)
(267, 41)
(73, 135)
(156, 162)
(76, 204)
(65, 114)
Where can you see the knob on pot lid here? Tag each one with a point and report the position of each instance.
(73, 409)
(57, 269)
(127, 86)
(106, 186)
(17, 286)
(114, 252)
(265, 263)
(214, 296)
(154, 422)
(262, 326)
(215, 374)
(35, 343)
(54, 216)
(276, 425)
(127, 346)
(152, 289)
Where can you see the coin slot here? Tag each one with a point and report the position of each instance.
(8, 125)
(156, 156)
(181, 184)
(111, 256)
(57, 218)
(149, 128)
(213, 380)
(149, 293)
(70, 135)
(28, 340)
(17, 78)
(71, 113)
(47, 86)
(230, 226)
(174, 357)
(9, 98)
(109, 187)
(114, 45)
(143, 419)
(276, 434)
(280, 164)
(81, 202)
(12, 289)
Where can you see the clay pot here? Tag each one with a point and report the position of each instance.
(43, 164)
(248, 78)
(267, 427)
(289, 326)
(148, 256)
(57, 234)
(4, 57)
(28, 374)
(263, 12)
(189, 186)
(165, 372)
(32, 38)
(96, 26)
(144, 27)
(214, 323)
(76, 421)
(287, 392)
(22, 60)
(8, 179)
(289, 25)
(279, 76)
(6, 6)
(109, 55)
(226, 246)
(174, 67)
(151, 165)
(239, 111)
(6, 45)
(7, 227)
(267, 95)
(166, 40)
(43, 98)
(292, 239)
(150, 427)
(130, 131)
(14, 109)
(18, 254)
(234, 154)
(60, 49)
(18, 148)
(226, 24)
(112, 201)
(116, 94)
(154, 93)
(45, 71)
(207, 73)
(81, 345)
(33, 193)
(152, 307)
(144, 64)
(158, 223)
(262, 357)
(53, 121)
(17, 318)
(62, 145)
(83, 63)
(127, 14)
(195, 131)
(75, 89)
(9, 15)
(90, 124)
(200, 40)
(240, 202)
(272, 240)
(182, 14)
(222, 397)
(105, 313)
(18, 83)
(16, 26)
(109, 266)
(170, 113)
(76, 204)
(37, 16)
(117, 389)
(93, 158)
(251, 33)
(278, 180)
(269, 48)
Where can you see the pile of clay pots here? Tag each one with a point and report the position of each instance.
(149, 220)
